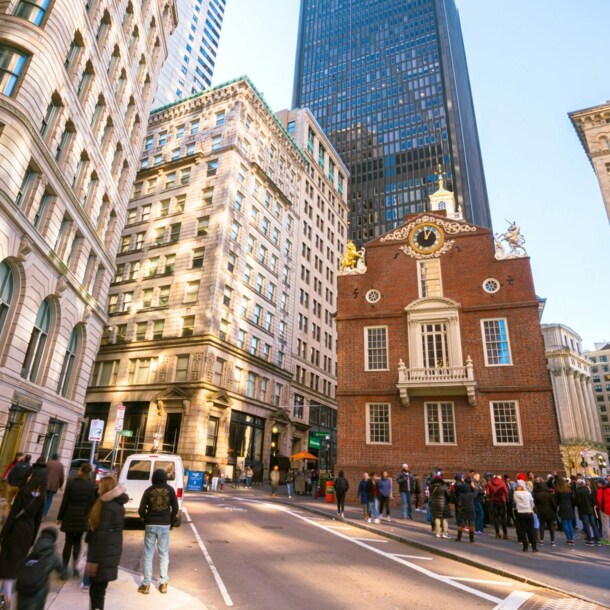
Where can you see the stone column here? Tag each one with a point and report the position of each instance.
(579, 428)
(583, 408)
(592, 407)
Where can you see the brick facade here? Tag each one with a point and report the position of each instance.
(464, 267)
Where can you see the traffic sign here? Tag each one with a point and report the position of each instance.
(120, 418)
(126, 432)
(96, 430)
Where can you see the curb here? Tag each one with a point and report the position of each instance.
(448, 554)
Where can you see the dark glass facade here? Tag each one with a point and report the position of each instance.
(388, 82)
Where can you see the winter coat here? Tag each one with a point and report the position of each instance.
(274, 477)
(371, 490)
(565, 504)
(364, 499)
(341, 486)
(546, 507)
(159, 505)
(76, 504)
(19, 532)
(384, 487)
(44, 551)
(583, 499)
(106, 541)
(479, 492)
(524, 502)
(406, 481)
(55, 475)
(603, 500)
(497, 491)
(464, 501)
(19, 474)
(439, 499)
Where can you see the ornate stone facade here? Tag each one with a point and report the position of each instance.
(593, 128)
(73, 106)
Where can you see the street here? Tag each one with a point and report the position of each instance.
(239, 548)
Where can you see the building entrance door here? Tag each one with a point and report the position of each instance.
(11, 437)
(52, 438)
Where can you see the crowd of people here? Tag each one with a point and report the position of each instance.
(93, 511)
(534, 505)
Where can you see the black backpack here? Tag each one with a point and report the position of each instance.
(32, 575)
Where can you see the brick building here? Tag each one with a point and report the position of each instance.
(440, 352)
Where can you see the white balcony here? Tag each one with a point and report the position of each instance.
(443, 381)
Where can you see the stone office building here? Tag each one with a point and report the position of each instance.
(212, 318)
(76, 84)
(441, 357)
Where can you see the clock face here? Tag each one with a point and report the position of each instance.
(426, 238)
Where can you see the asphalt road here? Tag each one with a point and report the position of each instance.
(245, 552)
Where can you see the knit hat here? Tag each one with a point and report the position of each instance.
(521, 477)
(459, 476)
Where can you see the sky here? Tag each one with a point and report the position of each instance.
(530, 64)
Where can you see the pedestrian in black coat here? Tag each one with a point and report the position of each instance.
(439, 506)
(341, 486)
(21, 528)
(546, 509)
(73, 515)
(464, 506)
(105, 539)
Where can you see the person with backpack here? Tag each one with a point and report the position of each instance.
(33, 572)
(76, 504)
(158, 510)
(497, 492)
(21, 528)
(15, 479)
(341, 487)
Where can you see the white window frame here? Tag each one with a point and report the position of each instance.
(420, 278)
(484, 340)
(493, 423)
(367, 366)
(368, 423)
(437, 404)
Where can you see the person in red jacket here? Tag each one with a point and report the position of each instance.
(498, 496)
(603, 507)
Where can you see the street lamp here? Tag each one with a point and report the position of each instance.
(329, 453)
(602, 463)
(14, 415)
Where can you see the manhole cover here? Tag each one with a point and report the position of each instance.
(218, 541)
(272, 527)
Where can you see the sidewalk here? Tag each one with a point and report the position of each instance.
(579, 571)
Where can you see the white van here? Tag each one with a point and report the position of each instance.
(136, 477)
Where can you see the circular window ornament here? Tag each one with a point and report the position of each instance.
(491, 285)
(373, 295)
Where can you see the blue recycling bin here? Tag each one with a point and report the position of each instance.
(195, 480)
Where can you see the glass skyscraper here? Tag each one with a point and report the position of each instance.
(388, 82)
(192, 50)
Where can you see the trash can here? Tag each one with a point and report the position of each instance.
(330, 491)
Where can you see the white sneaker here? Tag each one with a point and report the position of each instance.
(446, 536)
(438, 536)
(369, 520)
(389, 518)
(377, 521)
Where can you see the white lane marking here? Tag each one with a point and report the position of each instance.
(369, 539)
(413, 557)
(413, 566)
(514, 601)
(505, 583)
(340, 527)
(217, 578)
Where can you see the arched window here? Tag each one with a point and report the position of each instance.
(38, 341)
(6, 291)
(67, 369)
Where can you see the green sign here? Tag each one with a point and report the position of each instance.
(126, 433)
(315, 438)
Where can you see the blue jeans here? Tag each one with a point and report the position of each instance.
(590, 527)
(289, 489)
(479, 517)
(374, 509)
(407, 508)
(47, 503)
(568, 528)
(159, 535)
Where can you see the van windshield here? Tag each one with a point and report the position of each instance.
(139, 470)
(169, 467)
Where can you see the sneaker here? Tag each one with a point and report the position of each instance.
(597, 543)
(389, 518)
(540, 543)
(445, 536)
(589, 543)
(163, 587)
(438, 536)
(552, 544)
(377, 520)
(84, 588)
(479, 532)
(369, 520)
(570, 542)
(144, 589)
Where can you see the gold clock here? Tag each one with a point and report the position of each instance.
(426, 238)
